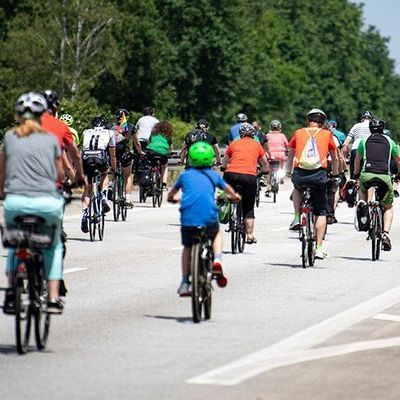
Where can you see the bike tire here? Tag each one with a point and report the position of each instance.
(373, 244)
(304, 255)
(115, 201)
(159, 192)
(274, 197)
(23, 318)
(92, 218)
(154, 189)
(100, 227)
(233, 229)
(142, 195)
(42, 319)
(207, 287)
(195, 280)
(124, 210)
(310, 240)
(241, 240)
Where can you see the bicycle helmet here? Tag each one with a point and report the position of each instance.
(52, 98)
(202, 123)
(201, 155)
(246, 129)
(30, 105)
(99, 122)
(67, 119)
(241, 117)
(276, 125)
(120, 112)
(376, 125)
(316, 115)
(366, 115)
(332, 123)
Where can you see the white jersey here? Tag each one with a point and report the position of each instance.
(144, 126)
(97, 139)
(358, 132)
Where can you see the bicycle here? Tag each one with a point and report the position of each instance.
(258, 190)
(29, 285)
(202, 257)
(156, 181)
(119, 195)
(96, 214)
(237, 227)
(376, 225)
(275, 179)
(307, 234)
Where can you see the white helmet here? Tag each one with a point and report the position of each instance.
(276, 125)
(241, 117)
(316, 115)
(31, 105)
(67, 119)
(246, 129)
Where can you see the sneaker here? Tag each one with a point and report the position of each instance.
(110, 193)
(217, 267)
(386, 244)
(183, 290)
(8, 307)
(321, 254)
(396, 193)
(62, 289)
(84, 224)
(128, 204)
(267, 194)
(106, 207)
(294, 226)
(165, 187)
(55, 307)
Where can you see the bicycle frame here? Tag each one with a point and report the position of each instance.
(307, 229)
(376, 226)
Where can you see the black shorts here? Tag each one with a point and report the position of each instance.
(123, 154)
(91, 164)
(189, 234)
(152, 156)
(317, 180)
(248, 189)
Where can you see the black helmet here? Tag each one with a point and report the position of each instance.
(202, 123)
(52, 99)
(148, 111)
(316, 115)
(120, 112)
(366, 115)
(241, 117)
(376, 125)
(99, 122)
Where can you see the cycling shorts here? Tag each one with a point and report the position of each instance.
(248, 190)
(317, 180)
(90, 165)
(189, 234)
(152, 155)
(384, 185)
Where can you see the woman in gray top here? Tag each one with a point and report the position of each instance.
(30, 165)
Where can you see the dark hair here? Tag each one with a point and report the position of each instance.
(163, 127)
(148, 111)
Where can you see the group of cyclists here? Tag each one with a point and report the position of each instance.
(41, 151)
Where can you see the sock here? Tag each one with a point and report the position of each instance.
(297, 216)
(185, 279)
(219, 256)
(320, 247)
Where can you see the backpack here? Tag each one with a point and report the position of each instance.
(309, 158)
(195, 135)
(362, 218)
(224, 207)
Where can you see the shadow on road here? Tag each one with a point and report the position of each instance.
(78, 239)
(8, 349)
(292, 266)
(355, 258)
(181, 320)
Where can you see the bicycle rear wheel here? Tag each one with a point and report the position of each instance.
(92, 218)
(116, 200)
(100, 217)
(233, 229)
(207, 288)
(196, 285)
(142, 195)
(42, 319)
(122, 197)
(378, 235)
(154, 188)
(373, 244)
(304, 254)
(159, 192)
(23, 317)
(310, 239)
(241, 234)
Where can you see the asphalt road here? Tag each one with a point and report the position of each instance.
(277, 332)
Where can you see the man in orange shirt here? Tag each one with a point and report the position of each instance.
(308, 150)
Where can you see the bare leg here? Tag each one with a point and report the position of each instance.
(164, 173)
(387, 218)
(249, 225)
(53, 289)
(186, 255)
(320, 227)
(85, 196)
(297, 197)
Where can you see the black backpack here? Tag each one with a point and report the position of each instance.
(195, 135)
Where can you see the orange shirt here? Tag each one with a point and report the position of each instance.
(324, 139)
(244, 155)
(58, 129)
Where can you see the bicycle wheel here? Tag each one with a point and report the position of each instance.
(116, 200)
(373, 244)
(100, 217)
(196, 285)
(121, 189)
(42, 319)
(142, 194)
(310, 239)
(378, 235)
(233, 229)
(274, 187)
(159, 192)
(241, 235)
(23, 316)
(304, 255)
(154, 188)
(92, 218)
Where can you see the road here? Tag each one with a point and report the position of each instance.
(277, 332)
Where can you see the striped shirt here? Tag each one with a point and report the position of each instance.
(358, 132)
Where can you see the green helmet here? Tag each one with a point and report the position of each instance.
(201, 155)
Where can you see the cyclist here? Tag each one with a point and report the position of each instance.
(393, 168)
(200, 132)
(278, 148)
(30, 165)
(96, 143)
(340, 136)
(234, 129)
(69, 120)
(145, 125)
(198, 207)
(123, 133)
(376, 151)
(160, 144)
(240, 166)
(309, 149)
(358, 132)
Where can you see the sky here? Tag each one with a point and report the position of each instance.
(385, 15)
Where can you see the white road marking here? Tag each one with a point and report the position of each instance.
(258, 362)
(177, 248)
(281, 229)
(387, 317)
(72, 270)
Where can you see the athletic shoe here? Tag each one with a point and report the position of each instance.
(386, 244)
(8, 307)
(55, 307)
(184, 290)
(294, 226)
(267, 194)
(321, 254)
(128, 204)
(396, 193)
(164, 187)
(106, 207)
(84, 224)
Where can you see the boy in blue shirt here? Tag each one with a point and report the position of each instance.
(198, 206)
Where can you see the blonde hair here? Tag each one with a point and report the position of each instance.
(26, 127)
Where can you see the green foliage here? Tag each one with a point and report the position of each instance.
(199, 58)
(181, 128)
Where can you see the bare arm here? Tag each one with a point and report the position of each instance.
(357, 164)
(264, 163)
(225, 161)
(335, 162)
(59, 168)
(68, 169)
(266, 149)
(216, 152)
(397, 159)
(113, 160)
(135, 139)
(171, 195)
(231, 194)
(290, 158)
(73, 152)
(183, 154)
(2, 173)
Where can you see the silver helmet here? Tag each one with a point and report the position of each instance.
(30, 105)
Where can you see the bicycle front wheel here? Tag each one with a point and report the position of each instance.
(100, 217)
(116, 201)
(196, 285)
(207, 288)
(23, 317)
(241, 234)
(121, 189)
(233, 229)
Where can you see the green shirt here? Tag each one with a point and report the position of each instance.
(159, 144)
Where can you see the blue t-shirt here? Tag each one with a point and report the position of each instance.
(341, 137)
(234, 132)
(198, 207)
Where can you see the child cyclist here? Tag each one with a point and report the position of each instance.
(198, 207)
